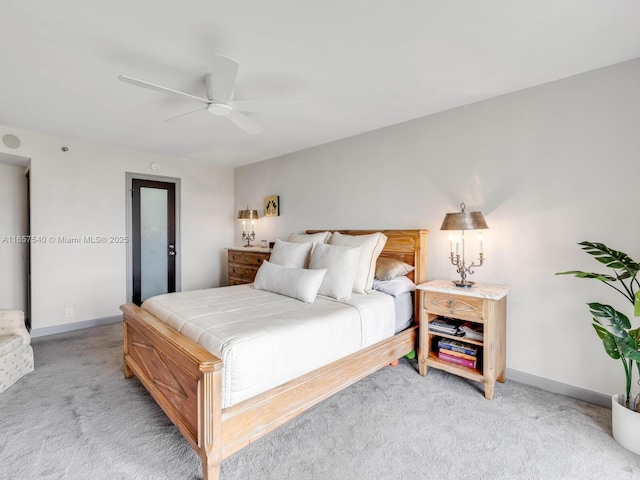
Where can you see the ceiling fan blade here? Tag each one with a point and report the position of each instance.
(267, 106)
(160, 88)
(245, 123)
(171, 119)
(222, 79)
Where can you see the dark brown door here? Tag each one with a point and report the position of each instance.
(153, 239)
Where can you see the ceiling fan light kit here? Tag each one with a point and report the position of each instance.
(219, 86)
(219, 109)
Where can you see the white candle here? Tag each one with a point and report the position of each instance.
(244, 223)
(457, 246)
(253, 222)
(451, 243)
(480, 238)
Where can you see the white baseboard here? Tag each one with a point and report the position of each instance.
(559, 387)
(69, 327)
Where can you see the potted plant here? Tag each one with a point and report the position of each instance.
(619, 339)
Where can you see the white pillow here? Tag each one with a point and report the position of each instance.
(372, 244)
(292, 255)
(394, 287)
(321, 237)
(298, 283)
(341, 264)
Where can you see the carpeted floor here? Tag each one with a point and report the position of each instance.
(76, 417)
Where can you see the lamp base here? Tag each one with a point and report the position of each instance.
(465, 284)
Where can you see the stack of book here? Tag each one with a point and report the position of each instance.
(459, 353)
(472, 330)
(445, 325)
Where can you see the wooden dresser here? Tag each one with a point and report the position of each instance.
(244, 263)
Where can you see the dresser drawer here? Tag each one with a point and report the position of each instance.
(458, 306)
(247, 258)
(242, 272)
(243, 265)
(238, 281)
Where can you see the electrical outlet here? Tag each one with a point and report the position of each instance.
(69, 312)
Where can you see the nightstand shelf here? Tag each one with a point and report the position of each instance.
(482, 305)
(474, 374)
(455, 337)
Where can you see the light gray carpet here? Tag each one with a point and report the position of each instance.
(76, 417)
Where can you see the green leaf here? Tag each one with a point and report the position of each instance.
(608, 340)
(636, 304)
(628, 348)
(607, 316)
(598, 276)
(611, 258)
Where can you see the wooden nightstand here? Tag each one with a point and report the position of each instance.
(244, 263)
(484, 305)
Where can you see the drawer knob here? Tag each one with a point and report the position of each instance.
(451, 302)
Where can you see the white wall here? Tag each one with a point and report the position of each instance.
(548, 167)
(13, 224)
(82, 192)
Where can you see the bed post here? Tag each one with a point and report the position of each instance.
(209, 421)
(128, 373)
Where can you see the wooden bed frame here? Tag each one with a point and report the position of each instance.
(185, 379)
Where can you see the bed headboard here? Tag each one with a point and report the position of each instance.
(409, 246)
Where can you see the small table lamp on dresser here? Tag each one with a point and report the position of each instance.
(245, 216)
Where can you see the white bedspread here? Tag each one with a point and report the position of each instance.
(265, 339)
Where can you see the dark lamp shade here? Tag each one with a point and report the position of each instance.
(248, 214)
(464, 221)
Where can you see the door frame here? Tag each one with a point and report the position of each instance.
(129, 177)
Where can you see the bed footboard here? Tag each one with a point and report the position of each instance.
(183, 378)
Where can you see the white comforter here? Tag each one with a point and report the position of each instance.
(265, 339)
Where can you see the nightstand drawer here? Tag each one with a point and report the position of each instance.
(247, 258)
(458, 306)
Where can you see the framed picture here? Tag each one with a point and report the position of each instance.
(272, 206)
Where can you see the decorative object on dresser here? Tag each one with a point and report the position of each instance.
(620, 340)
(272, 206)
(463, 221)
(244, 263)
(251, 216)
(186, 380)
(482, 310)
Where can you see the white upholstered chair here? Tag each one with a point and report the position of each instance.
(16, 354)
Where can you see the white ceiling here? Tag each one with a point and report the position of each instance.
(355, 65)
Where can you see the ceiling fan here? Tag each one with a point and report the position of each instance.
(219, 84)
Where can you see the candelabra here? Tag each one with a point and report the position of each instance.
(245, 215)
(463, 221)
(458, 262)
(248, 237)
